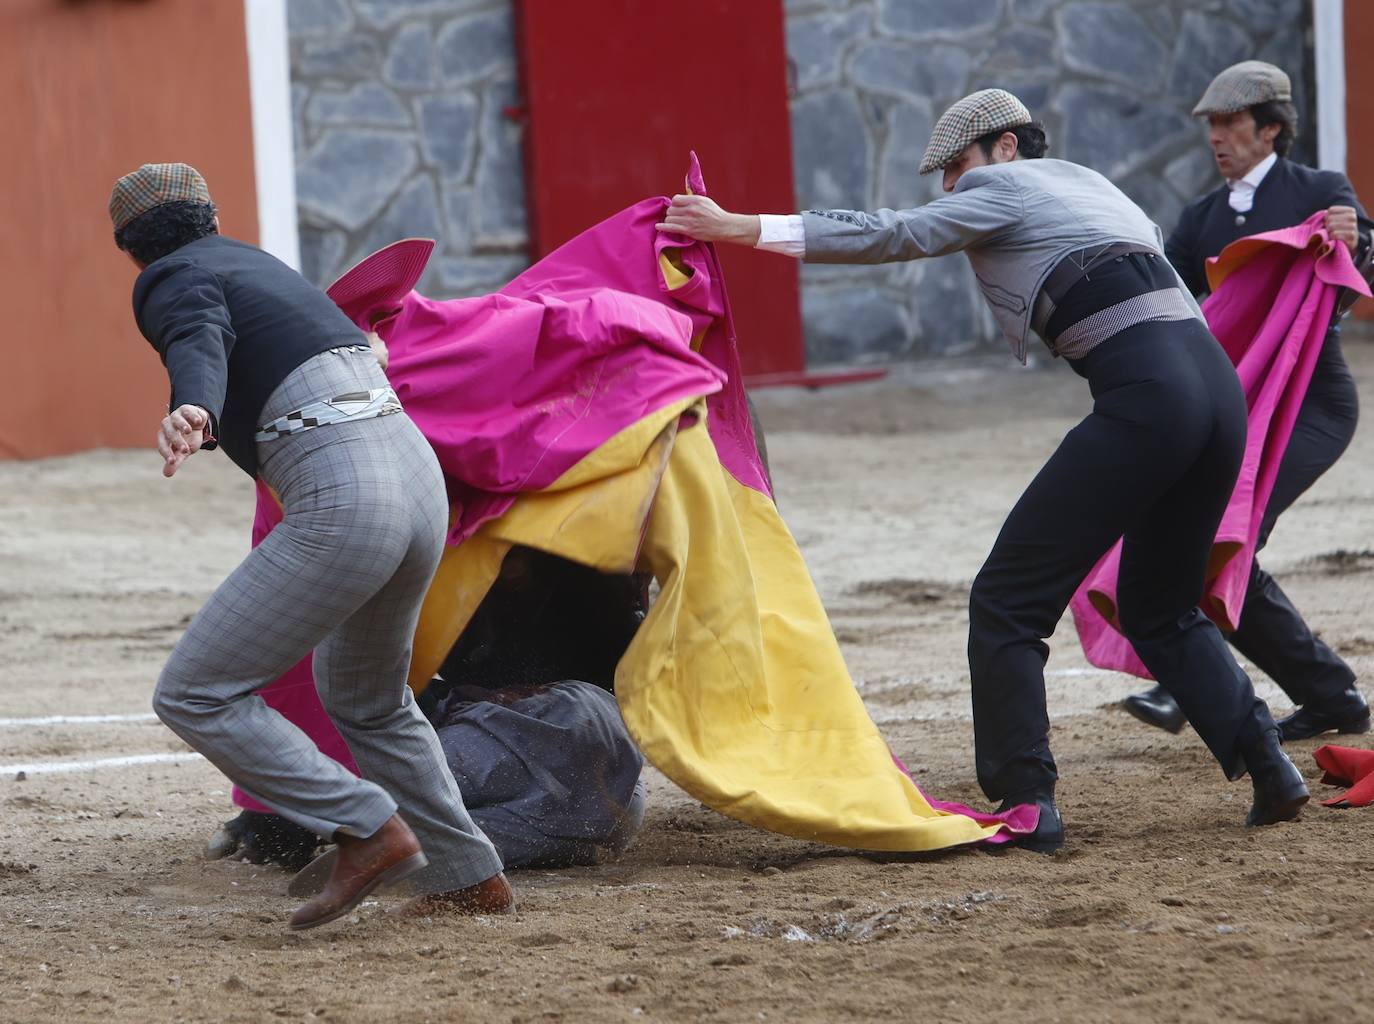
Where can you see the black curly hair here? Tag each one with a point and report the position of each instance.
(1031, 142)
(164, 229)
(1282, 113)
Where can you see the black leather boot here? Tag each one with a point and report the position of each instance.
(1155, 707)
(1049, 830)
(1347, 713)
(1280, 790)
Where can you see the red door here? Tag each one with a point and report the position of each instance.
(618, 91)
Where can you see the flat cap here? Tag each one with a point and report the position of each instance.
(153, 185)
(1243, 85)
(988, 110)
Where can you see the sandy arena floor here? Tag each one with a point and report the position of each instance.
(1161, 908)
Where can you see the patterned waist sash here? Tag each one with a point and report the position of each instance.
(356, 405)
(1081, 338)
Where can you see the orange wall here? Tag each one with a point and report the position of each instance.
(91, 89)
(1359, 111)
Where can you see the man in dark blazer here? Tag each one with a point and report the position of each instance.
(1253, 123)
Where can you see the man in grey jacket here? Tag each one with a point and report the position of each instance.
(1060, 251)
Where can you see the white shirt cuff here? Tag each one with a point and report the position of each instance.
(782, 234)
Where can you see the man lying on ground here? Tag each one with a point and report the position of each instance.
(528, 723)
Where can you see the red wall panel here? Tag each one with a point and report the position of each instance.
(91, 90)
(618, 91)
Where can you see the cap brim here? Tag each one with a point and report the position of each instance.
(381, 281)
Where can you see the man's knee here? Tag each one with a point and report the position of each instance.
(987, 602)
(178, 698)
(169, 697)
(999, 611)
(1143, 623)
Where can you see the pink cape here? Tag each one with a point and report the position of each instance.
(1271, 303)
(514, 389)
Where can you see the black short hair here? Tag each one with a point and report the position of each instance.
(166, 228)
(1283, 114)
(1030, 140)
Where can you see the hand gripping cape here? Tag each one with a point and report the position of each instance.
(1271, 303)
(593, 409)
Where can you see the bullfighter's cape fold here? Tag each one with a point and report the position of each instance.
(593, 408)
(1272, 300)
(1347, 766)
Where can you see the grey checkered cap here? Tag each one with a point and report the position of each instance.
(1243, 85)
(988, 110)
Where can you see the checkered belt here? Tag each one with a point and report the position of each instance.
(356, 405)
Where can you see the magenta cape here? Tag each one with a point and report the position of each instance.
(515, 389)
(1271, 303)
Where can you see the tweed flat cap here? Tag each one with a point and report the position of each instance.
(988, 110)
(152, 185)
(1243, 85)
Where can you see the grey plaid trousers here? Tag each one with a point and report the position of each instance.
(343, 575)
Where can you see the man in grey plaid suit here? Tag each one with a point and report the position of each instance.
(249, 344)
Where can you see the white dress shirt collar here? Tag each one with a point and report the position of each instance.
(1242, 196)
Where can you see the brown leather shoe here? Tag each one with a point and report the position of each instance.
(493, 896)
(383, 858)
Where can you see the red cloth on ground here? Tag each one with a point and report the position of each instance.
(1347, 766)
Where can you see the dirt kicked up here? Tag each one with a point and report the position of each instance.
(1161, 908)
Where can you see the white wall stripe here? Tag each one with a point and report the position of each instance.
(1328, 24)
(55, 767)
(21, 723)
(274, 162)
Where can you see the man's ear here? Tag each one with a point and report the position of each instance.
(1270, 132)
(1008, 144)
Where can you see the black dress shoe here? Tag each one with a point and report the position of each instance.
(1280, 790)
(1049, 830)
(1347, 713)
(263, 839)
(1155, 707)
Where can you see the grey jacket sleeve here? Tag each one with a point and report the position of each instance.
(981, 207)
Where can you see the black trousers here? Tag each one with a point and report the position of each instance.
(1272, 634)
(1156, 461)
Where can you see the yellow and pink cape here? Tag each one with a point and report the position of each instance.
(592, 409)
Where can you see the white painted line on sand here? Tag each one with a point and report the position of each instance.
(19, 723)
(53, 767)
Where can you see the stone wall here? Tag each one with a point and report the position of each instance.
(1113, 80)
(402, 129)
